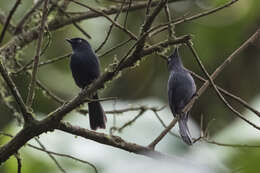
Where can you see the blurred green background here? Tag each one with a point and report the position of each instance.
(215, 37)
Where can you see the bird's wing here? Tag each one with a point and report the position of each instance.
(181, 88)
(84, 69)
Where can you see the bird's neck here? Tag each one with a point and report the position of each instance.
(176, 64)
(84, 50)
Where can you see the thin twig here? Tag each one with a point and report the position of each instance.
(77, 26)
(114, 141)
(16, 94)
(163, 133)
(64, 155)
(168, 16)
(49, 93)
(229, 145)
(31, 91)
(108, 11)
(27, 15)
(110, 28)
(10, 15)
(120, 129)
(10, 28)
(51, 152)
(139, 45)
(123, 110)
(115, 47)
(43, 63)
(127, 12)
(29, 64)
(19, 162)
(53, 60)
(162, 27)
(43, 148)
(232, 96)
(89, 100)
(40, 85)
(216, 89)
(220, 68)
(49, 40)
(148, 8)
(108, 18)
(163, 124)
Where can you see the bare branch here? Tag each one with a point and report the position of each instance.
(108, 18)
(136, 53)
(64, 155)
(168, 16)
(55, 24)
(43, 63)
(114, 141)
(229, 145)
(120, 129)
(163, 133)
(3, 18)
(26, 115)
(216, 89)
(49, 93)
(49, 154)
(31, 91)
(127, 12)
(19, 162)
(115, 47)
(232, 96)
(26, 16)
(120, 111)
(76, 25)
(10, 15)
(220, 68)
(163, 124)
(110, 28)
(162, 27)
(53, 153)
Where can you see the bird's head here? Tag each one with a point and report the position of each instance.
(79, 44)
(174, 60)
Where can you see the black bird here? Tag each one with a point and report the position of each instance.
(181, 88)
(84, 65)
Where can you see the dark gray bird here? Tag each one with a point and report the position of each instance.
(181, 88)
(84, 66)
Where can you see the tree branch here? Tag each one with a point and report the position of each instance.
(48, 124)
(31, 91)
(55, 24)
(220, 68)
(10, 15)
(16, 94)
(19, 162)
(114, 141)
(232, 96)
(162, 27)
(163, 133)
(26, 16)
(10, 27)
(216, 89)
(64, 155)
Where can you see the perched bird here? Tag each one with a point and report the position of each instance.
(84, 66)
(181, 88)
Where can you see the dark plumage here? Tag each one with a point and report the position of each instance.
(181, 88)
(84, 66)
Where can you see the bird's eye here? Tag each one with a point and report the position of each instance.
(168, 60)
(79, 41)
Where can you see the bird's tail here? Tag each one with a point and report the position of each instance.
(183, 129)
(97, 117)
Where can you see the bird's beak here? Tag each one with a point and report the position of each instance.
(68, 40)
